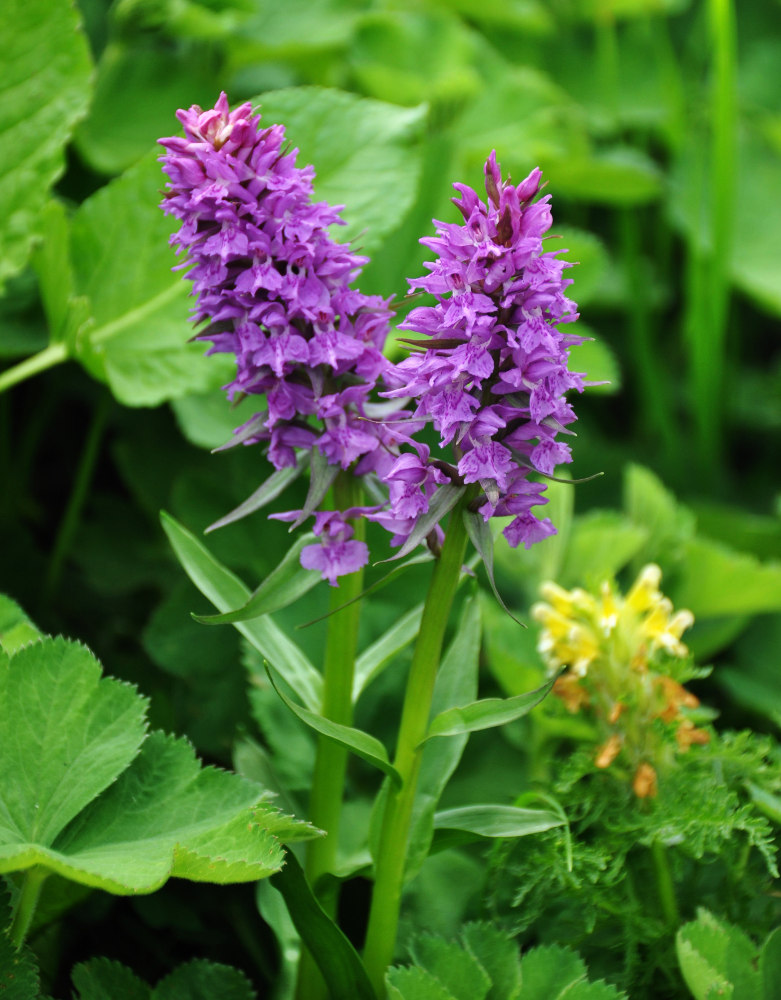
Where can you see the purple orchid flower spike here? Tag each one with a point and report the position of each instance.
(493, 376)
(273, 287)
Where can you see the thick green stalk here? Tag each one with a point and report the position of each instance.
(50, 356)
(26, 903)
(708, 333)
(394, 833)
(325, 804)
(664, 884)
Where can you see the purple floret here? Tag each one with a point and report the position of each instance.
(494, 378)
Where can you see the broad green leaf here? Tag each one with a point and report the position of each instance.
(122, 261)
(414, 57)
(650, 505)
(168, 816)
(203, 980)
(366, 154)
(714, 580)
(137, 91)
(66, 313)
(756, 239)
(587, 252)
(372, 660)
(16, 629)
(355, 740)
(68, 735)
(619, 176)
(208, 420)
(486, 713)
(601, 544)
(497, 820)
(45, 89)
(455, 968)
(498, 955)
(415, 984)
(555, 973)
(227, 592)
(770, 964)
(456, 681)
(338, 961)
(598, 362)
(285, 583)
(717, 959)
(101, 978)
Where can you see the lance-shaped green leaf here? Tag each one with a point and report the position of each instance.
(355, 740)
(497, 820)
(226, 591)
(480, 536)
(444, 500)
(78, 799)
(321, 477)
(336, 958)
(486, 713)
(284, 584)
(372, 660)
(276, 483)
(44, 90)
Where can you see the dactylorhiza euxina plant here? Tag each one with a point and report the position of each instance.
(273, 289)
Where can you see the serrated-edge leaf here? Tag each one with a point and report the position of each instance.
(486, 713)
(285, 583)
(356, 741)
(336, 958)
(413, 983)
(226, 592)
(100, 978)
(496, 820)
(16, 628)
(202, 979)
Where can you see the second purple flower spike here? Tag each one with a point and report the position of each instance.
(492, 377)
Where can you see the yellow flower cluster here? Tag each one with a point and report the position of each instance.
(613, 650)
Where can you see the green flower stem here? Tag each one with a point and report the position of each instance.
(26, 903)
(50, 356)
(325, 804)
(664, 884)
(394, 833)
(710, 277)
